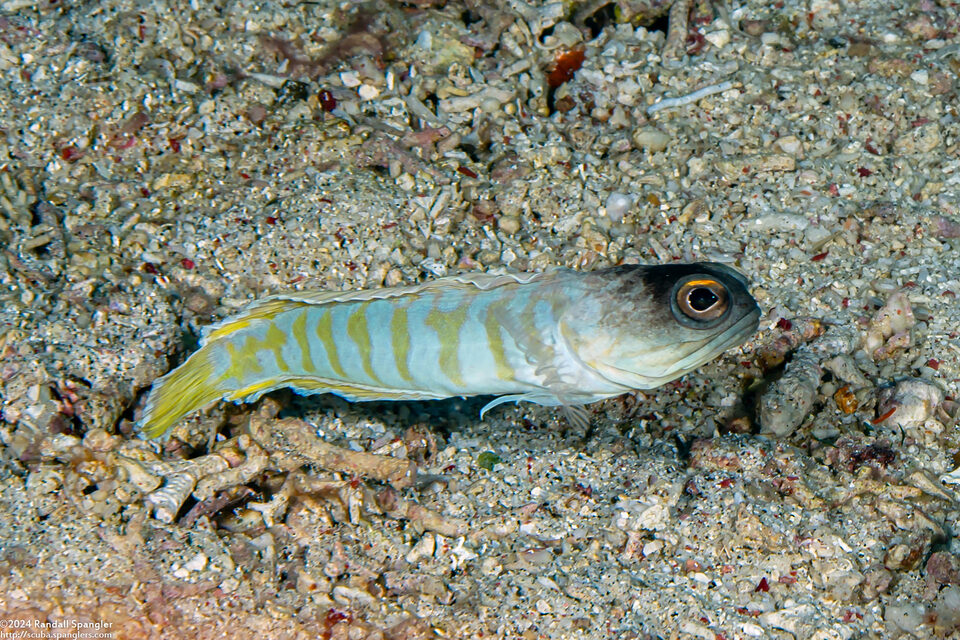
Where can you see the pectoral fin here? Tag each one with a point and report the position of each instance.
(576, 414)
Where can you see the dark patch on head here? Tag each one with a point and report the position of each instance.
(658, 280)
(629, 278)
(660, 287)
(662, 278)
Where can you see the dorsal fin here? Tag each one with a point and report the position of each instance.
(482, 281)
(272, 305)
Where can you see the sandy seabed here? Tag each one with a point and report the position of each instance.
(162, 164)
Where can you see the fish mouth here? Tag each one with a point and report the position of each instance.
(736, 334)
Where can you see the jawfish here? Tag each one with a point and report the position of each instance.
(559, 338)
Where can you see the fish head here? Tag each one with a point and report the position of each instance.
(641, 326)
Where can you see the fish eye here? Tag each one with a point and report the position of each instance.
(702, 299)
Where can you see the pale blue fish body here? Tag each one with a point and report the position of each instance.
(552, 338)
(394, 345)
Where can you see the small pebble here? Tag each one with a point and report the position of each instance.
(650, 139)
(509, 224)
(617, 205)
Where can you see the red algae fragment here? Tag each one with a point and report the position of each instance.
(564, 66)
(695, 42)
(327, 101)
(883, 416)
(71, 153)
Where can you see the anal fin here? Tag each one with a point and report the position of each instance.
(310, 385)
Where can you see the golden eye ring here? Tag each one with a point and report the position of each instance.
(703, 299)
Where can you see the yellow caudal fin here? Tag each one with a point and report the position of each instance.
(185, 389)
(194, 384)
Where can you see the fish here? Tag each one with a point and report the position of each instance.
(560, 338)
